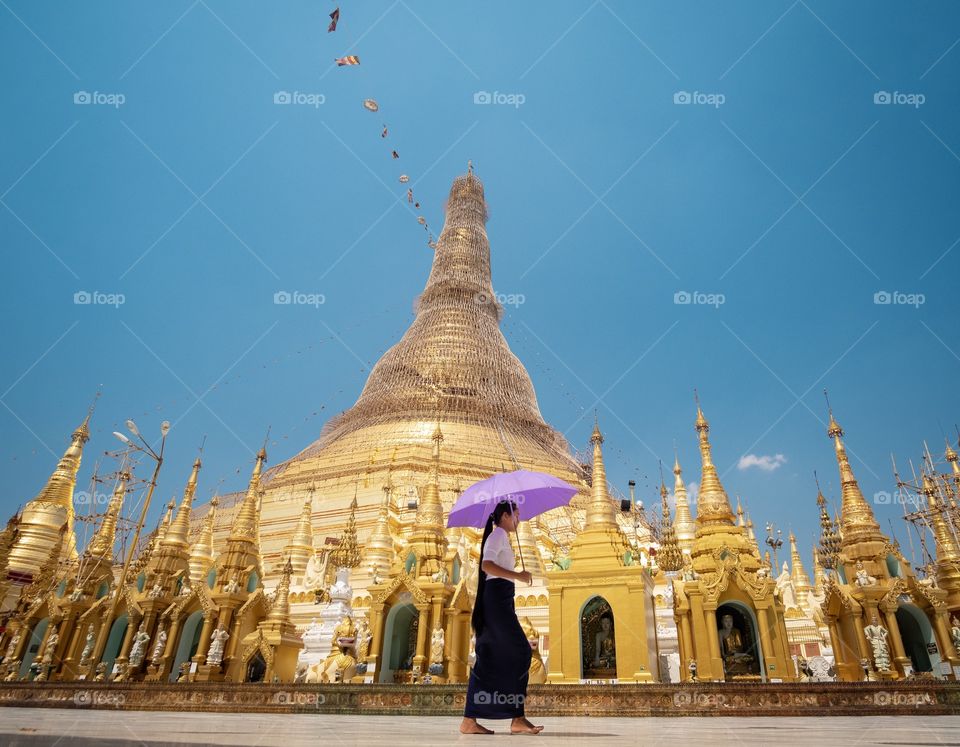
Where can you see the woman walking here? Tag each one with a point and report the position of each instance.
(498, 679)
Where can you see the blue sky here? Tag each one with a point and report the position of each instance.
(782, 189)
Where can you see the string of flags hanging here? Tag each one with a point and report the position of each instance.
(371, 105)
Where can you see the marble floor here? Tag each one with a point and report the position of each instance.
(71, 728)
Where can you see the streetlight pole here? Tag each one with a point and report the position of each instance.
(107, 623)
(775, 544)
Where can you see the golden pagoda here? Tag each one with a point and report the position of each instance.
(43, 518)
(883, 622)
(601, 605)
(730, 620)
(453, 365)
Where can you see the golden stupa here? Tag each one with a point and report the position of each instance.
(453, 367)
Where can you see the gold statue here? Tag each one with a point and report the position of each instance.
(538, 672)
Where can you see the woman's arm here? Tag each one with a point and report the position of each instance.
(492, 569)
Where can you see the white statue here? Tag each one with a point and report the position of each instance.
(315, 572)
(232, 586)
(863, 578)
(786, 588)
(77, 595)
(185, 588)
(955, 632)
(441, 576)
(87, 646)
(436, 646)
(15, 641)
(139, 650)
(376, 577)
(51, 646)
(877, 635)
(159, 647)
(156, 592)
(217, 642)
(819, 668)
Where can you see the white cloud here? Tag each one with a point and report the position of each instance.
(693, 492)
(766, 463)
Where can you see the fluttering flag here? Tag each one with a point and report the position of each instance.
(334, 19)
(404, 178)
(384, 133)
(371, 105)
(395, 154)
(350, 59)
(409, 195)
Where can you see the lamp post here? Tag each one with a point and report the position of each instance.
(775, 542)
(157, 456)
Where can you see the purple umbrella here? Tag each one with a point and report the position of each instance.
(533, 492)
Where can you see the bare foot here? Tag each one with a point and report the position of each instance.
(470, 726)
(523, 726)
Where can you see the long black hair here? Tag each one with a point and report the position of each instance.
(503, 507)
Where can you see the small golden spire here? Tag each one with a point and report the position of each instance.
(347, 554)
(246, 525)
(713, 506)
(101, 546)
(946, 544)
(600, 509)
(178, 534)
(167, 520)
(801, 581)
(669, 556)
(280, 609)
(300, 548)
(684, 526)
(857, 519)
(201, 556)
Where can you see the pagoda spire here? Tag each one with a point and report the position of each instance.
(713, 506)
(379, 548)
(946, 544)
(246, 525)
(801, 581)
(301, 544)
(347, 554)
(280, 609)
(819, 574)
(101, 546)
(178, 533)
(50, 510)
(857, 521)
(164, 526)
(428, 535)
(669, 556)
(201, 556)
(683, 524)
(600, 511)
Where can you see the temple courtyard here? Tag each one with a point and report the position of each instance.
(32, 726)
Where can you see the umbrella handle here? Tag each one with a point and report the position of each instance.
(519, 549)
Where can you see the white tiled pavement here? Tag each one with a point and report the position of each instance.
(22, 727)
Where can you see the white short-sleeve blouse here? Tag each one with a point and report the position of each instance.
(498, 549)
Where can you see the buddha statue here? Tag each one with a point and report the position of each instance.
(604, 648)
(736, 661)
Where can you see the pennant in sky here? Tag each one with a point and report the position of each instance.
(409, 195)
(350, 59)
(395, 154)
(334, 18)
(384, 133)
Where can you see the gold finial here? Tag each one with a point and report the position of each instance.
(596, 437)
(950, 454)
(180, 529)
(347, 554)
(101, 546)
(670, 556)
(713, 506)
(701, 422)
(469, 166)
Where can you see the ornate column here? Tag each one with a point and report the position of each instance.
(420, 657)
(900, 656)
(376, 642)
(716, 659)
(839, 651)
(768, 652)
(948, 651)
(205, 632)
(866, 650)
(687, 649)
(172, 638)
(133, 625)
(456, 664)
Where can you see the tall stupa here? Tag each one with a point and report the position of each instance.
(452, 367)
